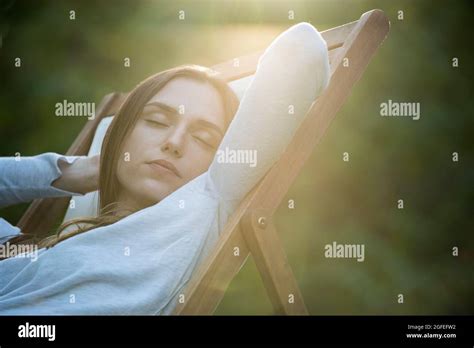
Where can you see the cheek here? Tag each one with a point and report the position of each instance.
(131, 154)
(136, 144)
(199, 160)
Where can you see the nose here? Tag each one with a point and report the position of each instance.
(173, 144)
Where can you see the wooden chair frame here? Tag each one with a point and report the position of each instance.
(250, 228)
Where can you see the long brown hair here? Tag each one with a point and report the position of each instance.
(120, 128)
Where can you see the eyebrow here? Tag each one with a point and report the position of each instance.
(164, 107)
(173, 111)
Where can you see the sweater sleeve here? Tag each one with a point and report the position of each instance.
(290, 75)
(23, 179)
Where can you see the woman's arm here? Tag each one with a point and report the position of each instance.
(291, 74)
(23, 179)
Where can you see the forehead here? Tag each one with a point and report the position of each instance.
(200, 98)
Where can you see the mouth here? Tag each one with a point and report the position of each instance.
(166, 166)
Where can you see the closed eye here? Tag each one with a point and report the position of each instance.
(157, 124)
(204, 142)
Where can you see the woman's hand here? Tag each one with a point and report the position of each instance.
(82, 176)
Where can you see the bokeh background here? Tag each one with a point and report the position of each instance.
(407, 251)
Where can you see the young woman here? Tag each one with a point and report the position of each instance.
(165, 194)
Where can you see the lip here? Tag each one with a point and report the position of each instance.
(166, 165)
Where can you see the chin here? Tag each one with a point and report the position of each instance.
(154, 191)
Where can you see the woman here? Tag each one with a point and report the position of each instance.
(164, 192)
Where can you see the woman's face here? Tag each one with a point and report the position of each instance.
(182, 124)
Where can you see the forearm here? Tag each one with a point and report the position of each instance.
(26, 178)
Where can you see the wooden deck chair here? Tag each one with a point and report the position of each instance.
(250, 227)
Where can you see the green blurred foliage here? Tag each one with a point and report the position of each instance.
(407, 251)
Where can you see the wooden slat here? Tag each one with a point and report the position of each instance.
(239, 67)
(359, 47)
(266, 249)
(205, 299)
(210, 281)
(335, 37)
(245, 65)
(334, 54)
